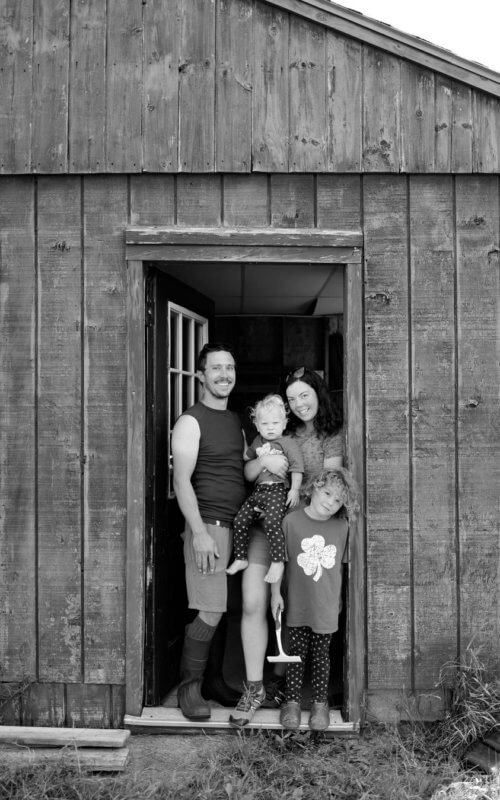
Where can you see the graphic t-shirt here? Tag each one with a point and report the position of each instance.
(315, 553)
(283, 444)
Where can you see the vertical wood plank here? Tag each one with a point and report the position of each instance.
(381, 111)
(10, 703)
(87, 98)
(197, 86)
(444, 123)
(50, 86)
(199, 200)
(161, 85)
(417, 118)
(17, 429)
(152, 199)
(16, 55)
(292, 201)
(478, 308)
(387, 447)
(270, 95)
(486, 130)
(344, 87)
(308, 128)
(136, 491)
(433, 425)
(461, 141)
(124, 86)
(339, 202)
(234, 75)
(88, 705)
(105, 435)
(355, 441)
(44, 704)
(59, 429)
(246, 201)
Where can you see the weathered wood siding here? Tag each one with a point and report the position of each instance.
(223, 86)
(431, 327)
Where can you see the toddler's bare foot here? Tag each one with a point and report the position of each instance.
(237, 565)
(275, 572)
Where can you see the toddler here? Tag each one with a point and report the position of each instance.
(271, 495)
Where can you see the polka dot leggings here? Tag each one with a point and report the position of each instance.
(303, 642)
(269, 498)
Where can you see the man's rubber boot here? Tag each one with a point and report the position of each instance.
(214, 686)
(193, 663)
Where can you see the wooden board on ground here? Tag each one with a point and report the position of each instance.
(62, 737)
(171, 720)
(484, 757)
(94, 759)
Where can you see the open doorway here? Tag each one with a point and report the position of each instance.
(276, 317)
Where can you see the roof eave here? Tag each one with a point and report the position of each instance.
(385, 37)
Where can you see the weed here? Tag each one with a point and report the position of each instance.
(474, 710)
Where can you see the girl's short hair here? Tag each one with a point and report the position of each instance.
(271, 402)
(342, 478)
(329, 419)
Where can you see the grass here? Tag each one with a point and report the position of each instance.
(474, 708)
(412, 761)
(385, 763)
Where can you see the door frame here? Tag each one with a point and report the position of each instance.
(308, 246)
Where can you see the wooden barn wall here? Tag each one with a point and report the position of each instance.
(431, 399)
(223, 86)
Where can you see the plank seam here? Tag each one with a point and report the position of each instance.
(455, 421)
(83, 457)
(410, 434)
(36, 267)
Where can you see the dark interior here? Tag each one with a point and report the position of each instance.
(267, 347)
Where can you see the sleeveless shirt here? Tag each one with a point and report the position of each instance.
(218, 475)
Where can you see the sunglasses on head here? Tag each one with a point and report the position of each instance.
(296, 373)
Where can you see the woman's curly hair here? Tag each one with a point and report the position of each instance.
(329, 419)
(342, 478)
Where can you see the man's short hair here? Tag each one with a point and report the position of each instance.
(212, 347)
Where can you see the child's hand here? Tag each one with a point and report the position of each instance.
(292, 498)
(277, 604)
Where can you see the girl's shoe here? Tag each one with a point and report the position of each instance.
(249, 702)
(290, 715)
(320, 717)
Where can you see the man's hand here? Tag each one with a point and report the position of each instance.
(206, 551)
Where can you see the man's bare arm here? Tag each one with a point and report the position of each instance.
(185, 448)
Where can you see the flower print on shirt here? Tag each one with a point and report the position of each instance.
(316, 555)
(268, 450)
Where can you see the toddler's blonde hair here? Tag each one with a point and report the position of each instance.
(270, 402)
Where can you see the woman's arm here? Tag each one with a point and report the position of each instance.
(333, 462)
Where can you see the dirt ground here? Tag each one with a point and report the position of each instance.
(158, 755)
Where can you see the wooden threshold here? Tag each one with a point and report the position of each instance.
(163, 720)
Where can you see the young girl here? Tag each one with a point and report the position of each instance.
(272, 495)
(316, 544)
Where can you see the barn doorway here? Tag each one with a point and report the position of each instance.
(303, 325)
(268, 268)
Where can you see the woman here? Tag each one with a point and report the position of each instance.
(316, 424)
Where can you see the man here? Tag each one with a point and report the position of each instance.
(207, 447)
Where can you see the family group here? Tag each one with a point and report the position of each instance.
(288, 538)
